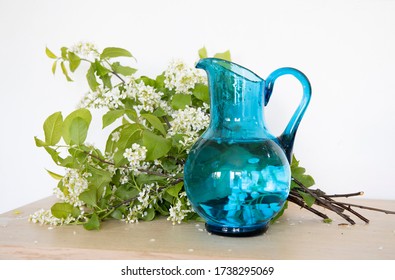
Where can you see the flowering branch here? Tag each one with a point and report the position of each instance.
(138, 175)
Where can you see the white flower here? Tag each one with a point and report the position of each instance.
(177, 213)
(135, 155)
(85, 50)
(181, 77)
(74, 183)
(45, 217)
(115, 136)
(148, 195)
(188, 122)
(102, 98)
(147, 96)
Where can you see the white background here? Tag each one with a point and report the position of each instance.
(346, 48)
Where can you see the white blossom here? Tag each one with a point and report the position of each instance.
(103, 98)
(182, 78)
(177, 213)
(147, 96)
(136, 155)
(85, 50)
(148, 195)
(188, 122)
(74, 183)
(45, 217)
(115, 136)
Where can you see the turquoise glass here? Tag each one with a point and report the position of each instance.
(237, 175)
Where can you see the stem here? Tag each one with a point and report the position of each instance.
(146, 171)
(300, 202)
(119, 77)
(113, 72)
(324, 202)
(366, 207)
(167, 121)
(345, 195)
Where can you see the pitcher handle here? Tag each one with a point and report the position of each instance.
(287, 138)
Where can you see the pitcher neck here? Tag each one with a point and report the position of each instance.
(236, 101)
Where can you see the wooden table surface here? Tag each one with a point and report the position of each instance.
(297, 235)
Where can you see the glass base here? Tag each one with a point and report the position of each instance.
(237, 231)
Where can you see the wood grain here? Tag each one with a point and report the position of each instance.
(298, 235)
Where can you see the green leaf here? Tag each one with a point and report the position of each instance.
(89, 197)
(74, 61)
(65, 73)
(160, 82)
(298, 173)
(54, 154)
(125, 193)
(148, 179)
(202, 52)
(159, 112)
(307, 198)
(69, 162)
(91, 78)
(78, 155)
(62, 188)
(64, 210)
(99, 179)
(123, 70)
(93, 223)
(157, 146)
(162, 209)
(55, 63)
(279, 214)
(39, 143)
(327, 221)
(63, 51)
(201, 92)
(100, 69)
(174, 190)
(147, 81)
(114, 52)
(111, 116)
(82, 113)
(307, 181)
(179, 101)
(53, 128)
(149, 214)
(224, 55)
(117, 214)
(155, 122)
(129, 134)
(78, 130)
(54, 175)
(50, 54)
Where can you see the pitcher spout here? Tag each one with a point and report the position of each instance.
(220, 66)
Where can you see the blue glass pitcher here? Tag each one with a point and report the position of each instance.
(237, 175)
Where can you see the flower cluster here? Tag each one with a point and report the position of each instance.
(45, 217)
(189, 122)
(180, 210)
(145, 200)
(73, 184)
(182, 78)
(148, 98)
(135, 155)
(85, 50)
(102, 98)
(139, 174)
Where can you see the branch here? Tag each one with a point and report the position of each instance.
(327, 201)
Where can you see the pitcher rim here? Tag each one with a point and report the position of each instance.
(256, 78)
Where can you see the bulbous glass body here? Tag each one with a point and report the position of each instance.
(237, 186)
(237, 175)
